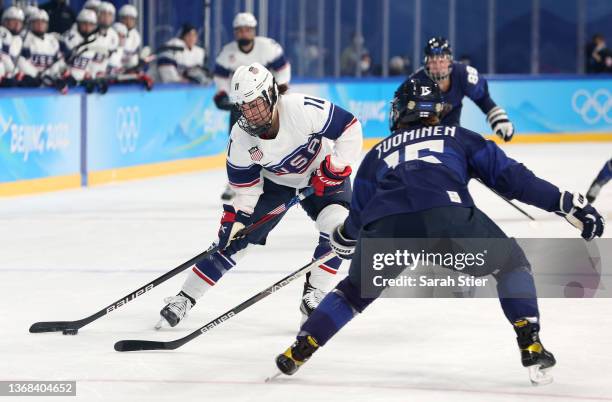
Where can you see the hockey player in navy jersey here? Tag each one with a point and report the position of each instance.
(456, 81)
(279, 145)
(414, 184)
(603, 177)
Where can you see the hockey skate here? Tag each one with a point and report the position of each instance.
(538, 360)
(177, 308)
(311, 297)
(296, 355)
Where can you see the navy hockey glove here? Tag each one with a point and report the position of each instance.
(500, 123)
(326, 181)
(343, 245)
(231, 223)
(577, 211)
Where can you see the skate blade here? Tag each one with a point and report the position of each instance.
(273, 377)
(160, 324)
(539, 376)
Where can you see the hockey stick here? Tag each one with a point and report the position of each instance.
(72, 327)
(132, 345)
(521, 210)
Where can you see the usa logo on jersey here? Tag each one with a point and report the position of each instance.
(256, 154)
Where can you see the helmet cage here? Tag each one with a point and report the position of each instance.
(256, 116)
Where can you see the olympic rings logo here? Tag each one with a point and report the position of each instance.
(128, 128)
(594, 107)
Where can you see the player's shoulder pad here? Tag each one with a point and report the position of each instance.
(175, 42)
(226, 50)
(269, 44)
(467, 74)
(241, 140)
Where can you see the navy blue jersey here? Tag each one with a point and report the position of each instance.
(426, 167)
(464, 81)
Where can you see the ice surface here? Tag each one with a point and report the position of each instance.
(65, 255)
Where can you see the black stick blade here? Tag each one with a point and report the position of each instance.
(132, 345)
(53, 326)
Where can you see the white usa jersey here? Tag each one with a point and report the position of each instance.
(310, 129)
(265, 52)
(38, 53)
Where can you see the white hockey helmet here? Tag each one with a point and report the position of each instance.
(13, 13)
(244, 20)
(106, 7)
(254, 92)
(120, 28)
(40, 15)
(30, 11)
(92, 5)
(128, 10)
(87, 15)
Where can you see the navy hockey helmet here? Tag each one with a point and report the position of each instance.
(436, 48)
(415, 99)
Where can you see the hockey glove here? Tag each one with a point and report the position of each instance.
(326, 181)
(222, 101)
(231, 223)
(343, 245)
(500, 123)
(577, 211)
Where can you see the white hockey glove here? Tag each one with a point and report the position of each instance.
(577, 211)
(500, 123)
(343, 246)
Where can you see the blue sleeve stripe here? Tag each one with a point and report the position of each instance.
(221, 71)
(25, 52)
(236, 167)
(243, 177)
(337, 121)
(250, 184)
(277, 63)
(165, 61)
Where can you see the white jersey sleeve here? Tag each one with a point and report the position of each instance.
(245, 176)
(277, 63)
(337, 124)
(167, 62)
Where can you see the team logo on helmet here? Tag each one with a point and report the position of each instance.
(253, 69)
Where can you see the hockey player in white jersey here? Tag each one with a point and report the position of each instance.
(128, 16)
(110, 61)
(280, 145)
(79, 46)
(12, 25)
(182, 60)
(39, 53)
(244, 50)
